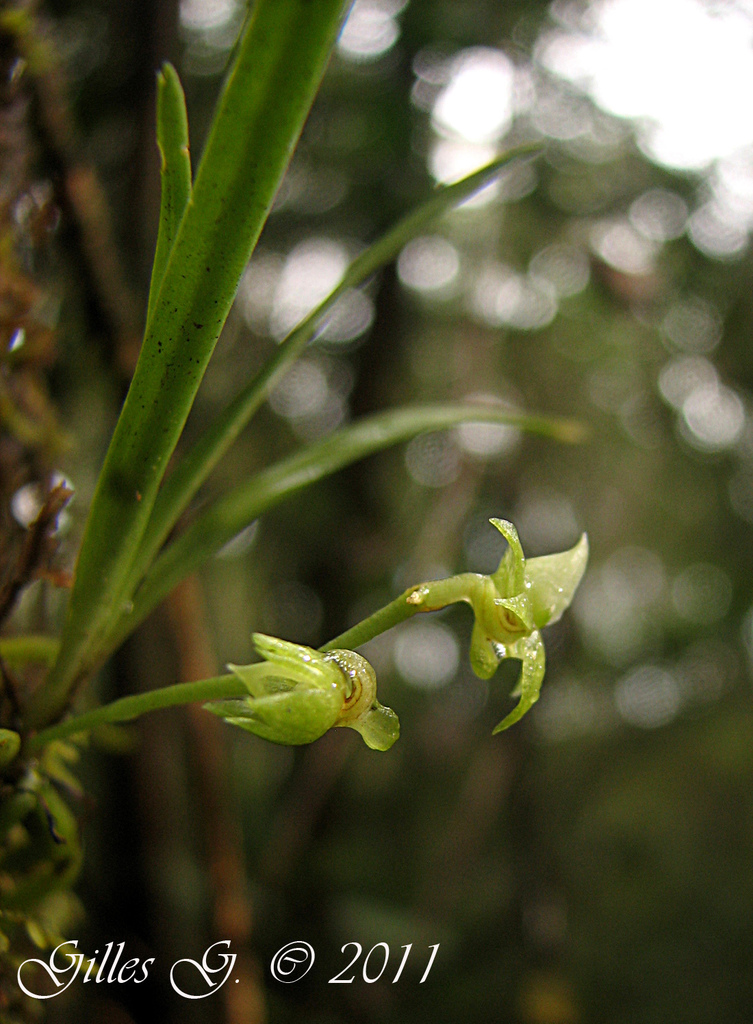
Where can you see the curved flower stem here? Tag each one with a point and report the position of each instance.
(128, 708)
(385, 618)
(424, 597)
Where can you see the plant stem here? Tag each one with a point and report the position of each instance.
(32, 648)
(128, 708)
(424, 597)
(392, 614)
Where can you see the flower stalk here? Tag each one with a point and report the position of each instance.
(296, 694)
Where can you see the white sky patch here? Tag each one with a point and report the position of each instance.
(563, 266)
(681, 65)
(623, 248)
(648, 697)
(713, 417)
(693, 326)
(681, 376)
(26, 504)
(433, 460)
(503, 298)
(473, 111)
(477, 103)
(484, 440)
(659, 215)
(427, 654)
(207, 15)
(453, 159)
(682, 71)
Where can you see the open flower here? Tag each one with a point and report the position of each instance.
(297, 694)
(510, 607)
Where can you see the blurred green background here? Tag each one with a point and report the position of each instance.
(594, 863)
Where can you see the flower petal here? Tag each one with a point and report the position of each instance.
(530, 650)
(379, 727)
(295, 661)
(509, 578)
(553, 581)
(484, 660)
(519, 617)
(299, 716)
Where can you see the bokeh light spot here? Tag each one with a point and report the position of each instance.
(427, 654)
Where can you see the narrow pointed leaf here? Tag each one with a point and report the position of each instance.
(172, 139)
(280, 60)
(238, 707)
(232, 513)
(295, 661)
(258, 684)
(509, 576)
(286, 664)
(196, 465)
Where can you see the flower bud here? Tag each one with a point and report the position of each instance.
(297, 694)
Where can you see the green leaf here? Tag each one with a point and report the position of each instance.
(172, 139)
(233, 512)
(196, 465)
(280, 60)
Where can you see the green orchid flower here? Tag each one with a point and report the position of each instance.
(510, 608)
(297, 694)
